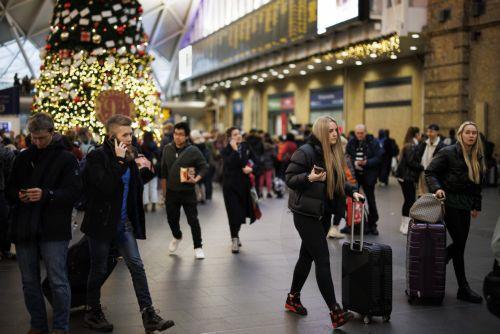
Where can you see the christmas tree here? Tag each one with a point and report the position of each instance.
(96, 48)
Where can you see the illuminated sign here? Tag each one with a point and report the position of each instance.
(334, 12)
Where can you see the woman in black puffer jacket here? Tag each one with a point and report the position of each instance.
(318, 186)
(456, 173)
(407, 173)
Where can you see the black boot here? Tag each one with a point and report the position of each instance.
(346, 230)
(293, 304)
(467, 294)
(94, 319)
(153, 322)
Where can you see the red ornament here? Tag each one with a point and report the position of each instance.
(141, 53)
(85, 36)
(65, 53)
(139, 10)
(67, 5)
(48, 47)
(121, 29)
(76, 99)
(143, 122)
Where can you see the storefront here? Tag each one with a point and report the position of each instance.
(281, 108)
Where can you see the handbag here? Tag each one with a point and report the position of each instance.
(428, 209)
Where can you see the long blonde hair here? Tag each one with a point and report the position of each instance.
(474, 160)
(333, 156)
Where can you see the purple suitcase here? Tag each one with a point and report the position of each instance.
(426, 262)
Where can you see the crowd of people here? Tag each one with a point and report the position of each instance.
(46, 175)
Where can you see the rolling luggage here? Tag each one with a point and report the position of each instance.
(367, 278)
(426, 253)
(426, 262)
(78, 272)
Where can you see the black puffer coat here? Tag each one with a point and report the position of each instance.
(409, 168)
(56, 172)
(310, 198)
(449, 172)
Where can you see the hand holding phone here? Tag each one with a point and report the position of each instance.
(120, 148)
(318, 170)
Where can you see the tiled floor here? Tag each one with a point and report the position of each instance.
(245, 293)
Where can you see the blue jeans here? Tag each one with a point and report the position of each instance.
(54, 255)
(127, 246)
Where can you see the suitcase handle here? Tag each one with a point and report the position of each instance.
(362, 225)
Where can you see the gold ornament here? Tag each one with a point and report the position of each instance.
(64, 35)
(96, 38)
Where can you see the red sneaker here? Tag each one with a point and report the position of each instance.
(294, 305)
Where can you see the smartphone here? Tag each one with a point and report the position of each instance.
(318, 170)
(23, 191)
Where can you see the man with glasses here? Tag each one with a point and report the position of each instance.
(44, 185)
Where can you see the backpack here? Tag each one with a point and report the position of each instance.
(81, 203)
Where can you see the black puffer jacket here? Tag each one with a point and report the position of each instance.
(409, 168)
(449, 172)
(309, 198)
(56, 172)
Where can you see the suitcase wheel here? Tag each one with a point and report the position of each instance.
(367, 319)
(386, 318)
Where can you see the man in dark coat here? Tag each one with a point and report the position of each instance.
(44, 185)
(366, 154)
(426, 151)
(182, 166)
(6, 162)
(113, 180)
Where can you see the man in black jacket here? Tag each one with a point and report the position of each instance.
(113, 180)
(182, 166)
(6, 162)
(43, 187)
(365, 153)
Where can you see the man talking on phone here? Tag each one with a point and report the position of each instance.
(113, 182)
(182, 166)
(44, 184)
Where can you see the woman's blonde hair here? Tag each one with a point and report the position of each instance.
(332, 154)
(474, 157)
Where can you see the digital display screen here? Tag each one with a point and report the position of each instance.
(334, 12)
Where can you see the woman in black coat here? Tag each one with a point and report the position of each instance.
(236, 185)
(455, 173)
(317, 179)
(407, 173)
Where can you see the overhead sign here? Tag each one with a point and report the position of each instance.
(9, 101)
(335, 12)
(327, 99)
(238, 107)
(277, 24)
(281, 102)
(185, 63)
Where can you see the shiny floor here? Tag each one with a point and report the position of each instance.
(245, 293)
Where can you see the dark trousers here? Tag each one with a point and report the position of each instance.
(53, 255)
(410, 196)
(208, 181)
(99, 252)
(385, 170)
(336, 220)
(173, 203)
(4, 224)
(458, 224)
(314, 248)
(369, 190)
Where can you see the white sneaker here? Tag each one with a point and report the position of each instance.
(235, 247)
(174, 244)
(198, 254)
(404, 225)
(335, 233)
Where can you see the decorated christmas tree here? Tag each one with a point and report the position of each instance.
(96, 65)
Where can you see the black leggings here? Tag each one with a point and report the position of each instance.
(409, 194)
(314, 247)
(458, 224)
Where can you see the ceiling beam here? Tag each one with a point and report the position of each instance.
(168, 38)
(37, 16)
(154, 32)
